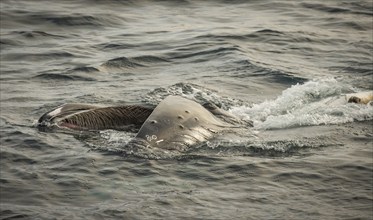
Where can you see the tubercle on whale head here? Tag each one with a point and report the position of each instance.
(147, 141)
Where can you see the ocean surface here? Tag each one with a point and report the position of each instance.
(285, 65)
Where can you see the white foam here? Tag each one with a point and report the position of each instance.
(313, 103)
(116, 137)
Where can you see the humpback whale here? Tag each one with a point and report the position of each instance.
(174, 124)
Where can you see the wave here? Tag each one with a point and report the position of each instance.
(7, 213)
(250, 69)
(346, 8)
(37, 56)
(114, 46)
(37, 35)
(204, 54)
(9, 43)
(134, 62)
(150, 59)
(121, 62)
(73, 20)
(22, 38)
(260, 34)
(86, 69)
(62, 77)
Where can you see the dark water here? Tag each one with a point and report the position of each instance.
(283, 64)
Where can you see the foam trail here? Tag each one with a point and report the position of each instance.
(316, 102)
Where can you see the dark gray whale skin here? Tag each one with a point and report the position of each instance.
(175, 124)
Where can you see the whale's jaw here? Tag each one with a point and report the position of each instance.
(82, 117)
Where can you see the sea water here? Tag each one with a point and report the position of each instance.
(285, 65)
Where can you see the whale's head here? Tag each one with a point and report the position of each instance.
(177, 123)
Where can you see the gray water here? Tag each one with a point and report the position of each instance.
(283, 64)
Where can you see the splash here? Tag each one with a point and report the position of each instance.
(192, 92)
(317, 102)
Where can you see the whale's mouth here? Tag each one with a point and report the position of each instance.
(80, 117)
(70, 126)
